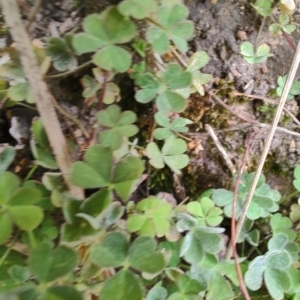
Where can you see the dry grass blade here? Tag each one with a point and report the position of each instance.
(287, 87)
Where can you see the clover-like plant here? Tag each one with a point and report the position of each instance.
(151, 217)
(120, 124)
(92, 86)
(280, 224)
(263, 203)
(40, 146)
(163, 88)
(62, 53)
(197, 61)
(205, 212)
(199, 240)
(99, 171)
(18, 206)
(263, 7)
(251, 236)
(140, 255)
(6, 158)
(273, 269)
(103, 34)
(176, 125)
(171, 154)
(253, 56)
(137, 9)
(294, 91)
(170, 25)
(283, 25)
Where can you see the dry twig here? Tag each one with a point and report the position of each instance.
(287, 87)
(41, 92)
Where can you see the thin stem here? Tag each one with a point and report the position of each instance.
(155, 23)
(259, 32)
(288, 197)
(33, 13)
(30, 173)
(32, 239)
(71, 71)
(287, 87)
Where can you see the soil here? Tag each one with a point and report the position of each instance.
(221, 27)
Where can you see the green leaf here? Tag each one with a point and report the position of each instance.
(142, 256)
(190, 249)
(174, 27)
(247, 49)
(297, 172)
(113, 58)
(254, 279)
(6, 226)
(120, 124)
(111, 252)
(278, 241)
(27, 217)
(152, 217)
(8, 184)
(176, 78)
(62, 292)
(156, 157)
(85, 176)
(136, 8)
(174, 146)
(188, 285)
(127, 175)
(122, 280)
(197, 61)
(97, 202)
(40, 146)
(170, 101)
(84, 43)
(19, 273)
(277, 282)
(25, 196)
(61, 53)
(278, 259)
(91, 86)
(6, 158)
(21, 91)
(49, 264)
(104, 29)
(157, 293)
(149, 89)
(220, 288)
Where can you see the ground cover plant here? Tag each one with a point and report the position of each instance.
(94, 229)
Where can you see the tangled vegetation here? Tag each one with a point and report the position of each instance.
(115, 243)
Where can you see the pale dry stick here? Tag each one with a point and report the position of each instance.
(33, 13)
(221, 149)
(287, 87)
(41, 93)
(268, 100)
(249, 120)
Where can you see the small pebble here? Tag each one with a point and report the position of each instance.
(241, 35)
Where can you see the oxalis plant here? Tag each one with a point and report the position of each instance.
(111, 246)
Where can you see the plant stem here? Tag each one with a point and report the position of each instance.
(155, 23)
(259, 32)
(33, 169)
(71, 71)
(32, 239)
(288, 197)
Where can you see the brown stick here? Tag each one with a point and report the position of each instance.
(41, 92)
